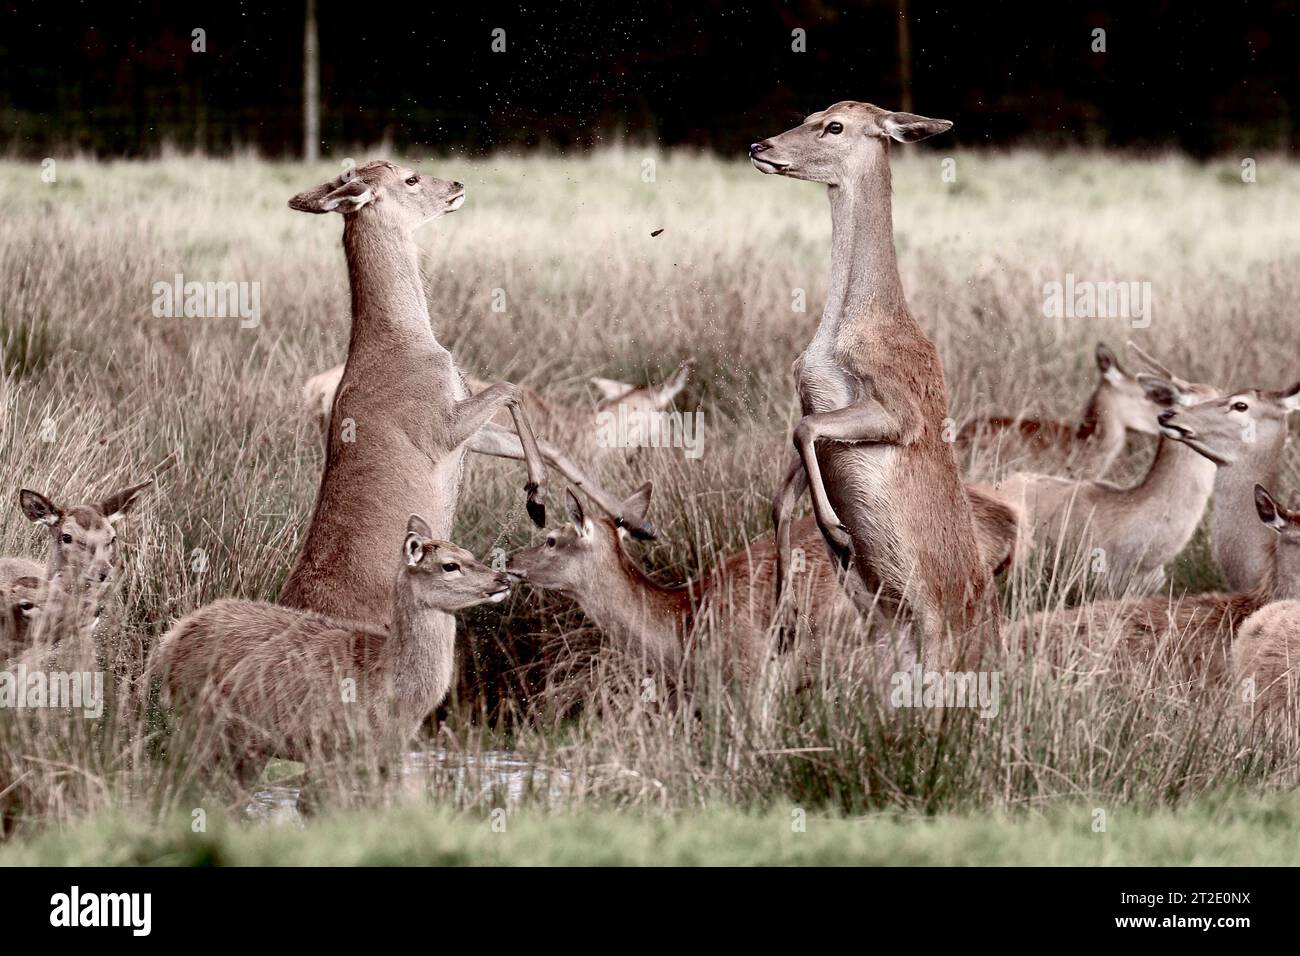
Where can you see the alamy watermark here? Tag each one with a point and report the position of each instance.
(208, 300)
(21, 689)
(632, 428)
(1086, 299)
(939, 689)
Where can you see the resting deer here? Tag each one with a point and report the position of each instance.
(1137, 529)
(886, 489)
(64, 599)
(573, 426)
(1191, 634)
(22, 594)
(405, 416)
(1267, 649)
(1244, 435)
(651, 623)
(1083, 449)
(265, 680)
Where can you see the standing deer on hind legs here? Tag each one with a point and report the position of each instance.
(403, 416)
(885, 485)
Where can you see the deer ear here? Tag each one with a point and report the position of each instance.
(911, 128)
(1268, 509)
(413, 548)
(611, 388)
(1107, 363)
(417, 525)
(1160, 391)
(114, 507)
(632, 512)
(574, 508)
(38, 508)
(1291, 398)
(345, 198)
(1146, 361)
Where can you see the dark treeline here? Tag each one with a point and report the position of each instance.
(122, 78)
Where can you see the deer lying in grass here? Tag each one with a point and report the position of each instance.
(1136, 529)
(404, 414)
(1083, 449)
(1244, 435)
(651, 623)
(886, 489)
(586, 560)
(572, 427)
(266, 680)
(1191, 635)
(22, 594)
(1266, 652)
(63, 599)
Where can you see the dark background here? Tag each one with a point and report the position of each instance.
(120, 78)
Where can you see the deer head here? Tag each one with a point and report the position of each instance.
(1243, 425)
(82, 537)
(444, 577)
(578, 555)
(395, 196)
(838, 144)
(1286, 522)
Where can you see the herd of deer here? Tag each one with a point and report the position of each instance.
(361, 640)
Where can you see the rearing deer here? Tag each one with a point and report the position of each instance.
(885, 486)
(404, 417)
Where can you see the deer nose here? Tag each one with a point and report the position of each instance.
(103, 576)
(458, 186)
(756, 148)
(1164, 417)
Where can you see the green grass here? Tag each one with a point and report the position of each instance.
(1238, 831)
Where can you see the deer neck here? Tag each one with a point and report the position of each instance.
(422, 651)
(864, 286)
(1181, 479)
(69, 610)
(1242, 543)
(1100, 424)
(649, 622)
(388, 304)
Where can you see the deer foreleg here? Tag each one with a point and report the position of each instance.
(864, 422)
(472, 414)
(500, 442)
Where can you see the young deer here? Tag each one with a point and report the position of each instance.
(1083, 449)
(574, 427)
(1267, 649)
(266, 680)
(1137, 529)
(886, 489)
(22, 594)
(651, 623)
(1244, 435)
(405, 418)
(1193, 634)
(64, 598)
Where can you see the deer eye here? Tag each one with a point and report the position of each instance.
(1240, 407)
(25, 605)
(451, 566)
(65, 538)
(834, 128)
(550, 541)
(413, 181)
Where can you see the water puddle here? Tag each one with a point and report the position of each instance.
(493, 778)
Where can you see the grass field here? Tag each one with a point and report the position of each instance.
(589, 291)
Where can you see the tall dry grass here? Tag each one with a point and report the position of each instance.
(589, 291)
